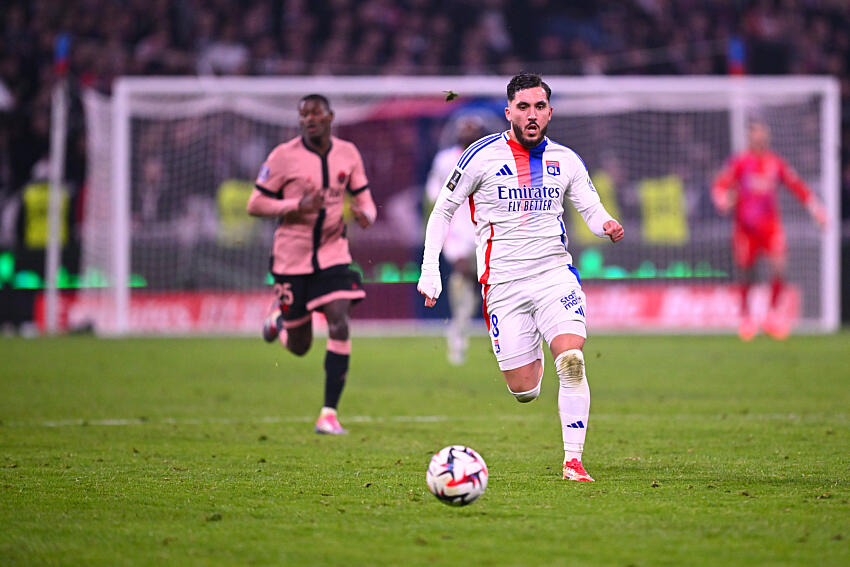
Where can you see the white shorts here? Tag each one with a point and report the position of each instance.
(523, 312)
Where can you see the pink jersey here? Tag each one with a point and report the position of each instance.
(755, 178)
(309, 242)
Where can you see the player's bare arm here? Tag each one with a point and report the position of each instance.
(723, 202)
(614, 230)
(429, 301)
(311, 202)
(818, 212)
(721, 194)
(262, 205)
(803, 192)
(364, 210)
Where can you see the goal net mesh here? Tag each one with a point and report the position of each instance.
(193, 158)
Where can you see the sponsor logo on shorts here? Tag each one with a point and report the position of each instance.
(571, 301)
(452, 183)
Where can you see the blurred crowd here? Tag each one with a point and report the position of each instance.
(110, 38)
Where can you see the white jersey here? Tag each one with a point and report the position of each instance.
(460, 242)
(516, 196)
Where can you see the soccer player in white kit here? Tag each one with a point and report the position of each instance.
(516, 183)
(459, 247)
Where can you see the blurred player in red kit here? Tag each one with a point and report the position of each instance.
(749, 185)
(302, 184)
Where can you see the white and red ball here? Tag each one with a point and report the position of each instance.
(457, 475)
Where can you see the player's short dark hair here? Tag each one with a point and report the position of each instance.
(527, 81)
(317, 98)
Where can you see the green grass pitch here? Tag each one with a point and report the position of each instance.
(706, 451)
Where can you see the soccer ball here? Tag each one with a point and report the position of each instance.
(457, 475)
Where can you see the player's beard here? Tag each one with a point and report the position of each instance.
(526, 142)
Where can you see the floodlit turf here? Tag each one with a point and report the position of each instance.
(706, 451)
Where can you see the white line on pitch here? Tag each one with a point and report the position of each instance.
(227, 420)
(123, 422)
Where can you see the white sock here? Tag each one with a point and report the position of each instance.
(573, 402)
(570, 455)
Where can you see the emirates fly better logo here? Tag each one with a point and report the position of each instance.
(525, 198)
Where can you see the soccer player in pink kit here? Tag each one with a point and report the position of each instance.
(302, 184)
(516, 183)
(749, 184)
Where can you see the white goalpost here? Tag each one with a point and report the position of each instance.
(167, 247)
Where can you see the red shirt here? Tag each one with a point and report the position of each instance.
(754, 177)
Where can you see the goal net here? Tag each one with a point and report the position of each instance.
(168, 247)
